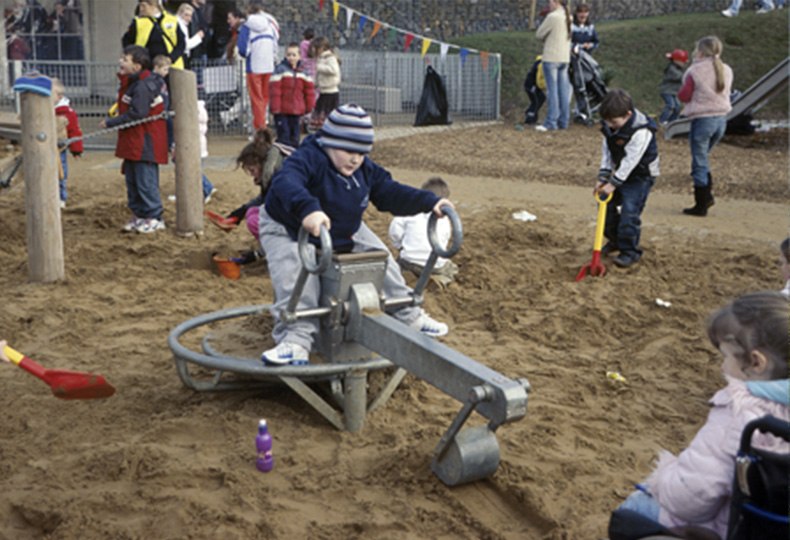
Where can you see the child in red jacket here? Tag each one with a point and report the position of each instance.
(292, 95)
(143, 147)
(68, 115)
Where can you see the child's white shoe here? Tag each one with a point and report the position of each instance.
(131, 225)
(286, 353)
(429, 326)
(150, 225)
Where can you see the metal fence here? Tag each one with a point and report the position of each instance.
(387, 84)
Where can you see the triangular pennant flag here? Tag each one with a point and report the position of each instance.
(443, 48)
(362, 20)
(391, 35)
(426, 44)
(320, 5)
(464, 53)
(376, 28)
(335, 10)
(484, 59)
(407, 41)
(349, 15)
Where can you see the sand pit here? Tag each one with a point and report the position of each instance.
(158, 460)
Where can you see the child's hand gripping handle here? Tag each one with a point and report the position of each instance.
(438, 250)
(310, 265)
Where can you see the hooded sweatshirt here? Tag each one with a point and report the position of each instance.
(695, 487)
(257, 42)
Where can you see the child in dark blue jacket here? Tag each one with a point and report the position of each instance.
(329, 181)
(629, 167)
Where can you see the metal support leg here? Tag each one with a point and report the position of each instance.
(356, 383)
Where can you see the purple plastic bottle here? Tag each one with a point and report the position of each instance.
(263, 442)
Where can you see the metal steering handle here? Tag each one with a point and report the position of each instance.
(457, 237)
(324, 261)
(308, 267)
(438, 250)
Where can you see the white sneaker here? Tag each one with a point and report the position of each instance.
(541, 129)
(429, 326)
(62, 204)
(286, 353)
(171, 198)
(764, 10)
(150, 225)
(208, 197)
(131, 225)
(728, 13)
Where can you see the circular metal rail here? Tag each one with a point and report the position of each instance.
(253, 367)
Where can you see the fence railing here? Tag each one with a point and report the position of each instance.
(387, 84)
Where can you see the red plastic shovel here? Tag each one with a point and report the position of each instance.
(226, 224)
(65, 384)
(596, 267)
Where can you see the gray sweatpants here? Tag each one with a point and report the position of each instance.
(282, 257)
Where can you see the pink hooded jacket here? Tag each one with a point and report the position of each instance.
(695, 487)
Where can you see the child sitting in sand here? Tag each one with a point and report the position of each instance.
(329, 182)
(260, 159)
(409, 234)
(695, 487)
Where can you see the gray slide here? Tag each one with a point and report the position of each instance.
(750, 101)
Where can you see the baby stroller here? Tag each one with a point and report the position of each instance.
(758, 509)
(589, 88)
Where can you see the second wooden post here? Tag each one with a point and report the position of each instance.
(186, 132)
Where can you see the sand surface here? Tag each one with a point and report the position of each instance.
(159, 460)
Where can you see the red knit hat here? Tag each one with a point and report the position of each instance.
(678, 55)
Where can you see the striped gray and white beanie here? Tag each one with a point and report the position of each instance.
(348, 128)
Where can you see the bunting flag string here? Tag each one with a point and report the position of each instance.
(409, 37)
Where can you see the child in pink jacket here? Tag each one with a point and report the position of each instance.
(695, 487)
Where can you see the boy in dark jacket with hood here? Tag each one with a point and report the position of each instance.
(329, 182)
(629, 167)
(143, 147)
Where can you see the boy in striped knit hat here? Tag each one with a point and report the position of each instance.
(329, 181)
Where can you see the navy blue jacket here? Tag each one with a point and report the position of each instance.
(308, 182)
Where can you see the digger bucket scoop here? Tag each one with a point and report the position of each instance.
(595, 267)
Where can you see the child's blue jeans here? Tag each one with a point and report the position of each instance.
(142, 189)
(624, 228)
(642, 503)
(705, 133)
(64, 161)
(671, 107)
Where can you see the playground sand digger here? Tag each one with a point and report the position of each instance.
(159, 460)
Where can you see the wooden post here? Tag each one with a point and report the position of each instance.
(533, 7)
(186, 132)
(42, 202)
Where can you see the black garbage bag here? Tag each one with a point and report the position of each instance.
(433, 108)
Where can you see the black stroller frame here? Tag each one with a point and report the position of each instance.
(589, 88)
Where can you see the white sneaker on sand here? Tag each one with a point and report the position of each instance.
(541, 128)
(207, 199)
(131, 225)
(150, 225)
(429, 326)
(286, 353)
